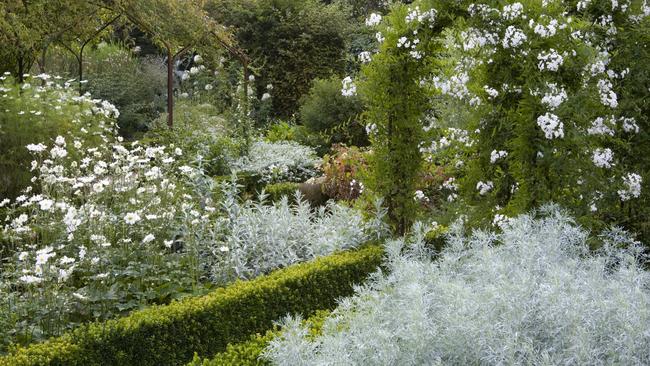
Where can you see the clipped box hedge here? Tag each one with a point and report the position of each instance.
(171, 334)
(248, 353)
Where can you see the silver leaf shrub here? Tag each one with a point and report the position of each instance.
(258, 237)
(282, 161)
(533, 294)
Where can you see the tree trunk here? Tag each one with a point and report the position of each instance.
(170, 88)
(81, 69)
(21, 69)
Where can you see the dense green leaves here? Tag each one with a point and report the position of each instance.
(169, 335)
(290, 42)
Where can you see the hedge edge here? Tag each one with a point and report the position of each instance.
(249, 353)
(171, 334)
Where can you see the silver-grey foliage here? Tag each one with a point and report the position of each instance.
(259, 237)
(531, 295)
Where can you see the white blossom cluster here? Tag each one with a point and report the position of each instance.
(607, 96)
(512, 11)
(632, 183)
(455, 86)
(602, 126)
(373, 20)
(554, 96)
(603, 157)
(349, 89)
(475, 38)
(484, 188)
(497, 155)
(551, 126)
(513, 37)
(421, 16)
(550, 60)
(364, 57)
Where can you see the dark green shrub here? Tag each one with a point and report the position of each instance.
(169, 335)
(327, 112)
(291, 41)
(135, 86)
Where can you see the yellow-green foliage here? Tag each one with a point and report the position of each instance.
(170, 335)
(277, 190)
(248, 353)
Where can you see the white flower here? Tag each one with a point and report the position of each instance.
(365, 57)
(60, 140)
(550, 60)
(224, 249)
(602, 158)
(168, 243)
(185, 169)
(266, 96)
(178, 151)
(66, 260)
(149, 238)
(513, 37)
(208, 87)
(512, 11)
(348, 89)
(131, 218)
(598, 127)
(29, 279)
(373, 19)
(43, 255)
(555, 96)
(484, 187)
(551, 125)
(36, 148)
(194, 70)
(46, 204)
(22, 256)
(496, 155)
(198, 59)
(632, 182)
(607, 95)
(493, 93)
(58, 152)
(419, 196)
(629, 125)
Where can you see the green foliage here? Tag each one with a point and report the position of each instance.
(250, 352)
(201, 133)
(336, 117)
(278, 190)
(169, 335)
(291, 42)
(395, 104)
(135, 86)
(281, 131)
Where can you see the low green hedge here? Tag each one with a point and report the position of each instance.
(277, 190)
(169, 335)
(248, 353)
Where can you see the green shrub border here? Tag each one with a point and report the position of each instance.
(278, 190)
(248, 353)
(171, 334)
